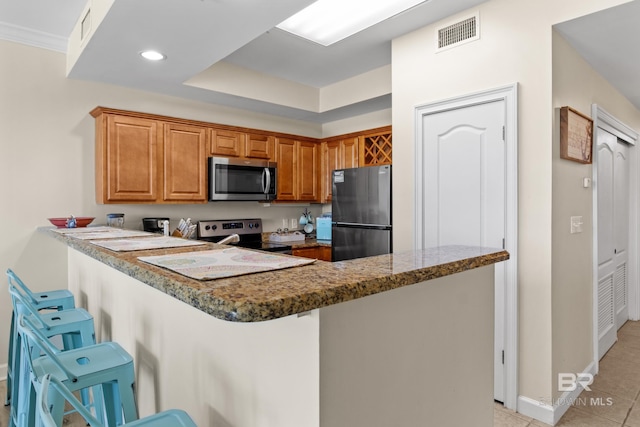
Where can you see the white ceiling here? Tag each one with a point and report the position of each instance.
(609, 41)
(196, 34)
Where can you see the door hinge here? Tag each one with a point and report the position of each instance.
(503, 133)
(503, 245)
(503, 357)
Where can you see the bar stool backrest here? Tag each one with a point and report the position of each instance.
(16, 282)
(49, 383)
(23, 306)
(35, 340)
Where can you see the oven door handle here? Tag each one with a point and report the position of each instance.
(266, 185)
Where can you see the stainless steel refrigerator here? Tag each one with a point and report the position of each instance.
(361, 209)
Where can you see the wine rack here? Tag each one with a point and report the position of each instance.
(375, 149)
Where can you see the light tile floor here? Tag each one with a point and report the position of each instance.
(618, 383)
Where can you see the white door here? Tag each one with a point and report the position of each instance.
(613, 237)
(464, 196)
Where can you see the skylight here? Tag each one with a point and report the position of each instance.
(329, 21)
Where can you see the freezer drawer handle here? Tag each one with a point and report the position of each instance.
(358, 225)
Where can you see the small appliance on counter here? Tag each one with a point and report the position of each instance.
(153, 225)
(323, 227)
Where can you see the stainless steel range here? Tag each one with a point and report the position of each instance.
(249, 231)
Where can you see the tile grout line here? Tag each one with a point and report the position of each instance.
(631, 408)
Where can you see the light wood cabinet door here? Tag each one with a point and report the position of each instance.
(287, 169)
(331, 160)
(226, 143)
(308, 171)
(260, 146)
(350, 149)
(306, 252)
(185, 163)
(322, 253)
(336, 155)
(128, 156)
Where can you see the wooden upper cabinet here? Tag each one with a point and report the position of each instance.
(336, 154)
(376, 148)
(308, 171)
(147, 158)
(260, 146)
(330, 161)
(350, 150)
(127, 154)
(226, 142)
(287, 169)
(297, 170)
(185, 163)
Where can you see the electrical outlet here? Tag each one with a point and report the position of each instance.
(285, 223)
(294, 224)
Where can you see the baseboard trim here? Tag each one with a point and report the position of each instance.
(547, 413)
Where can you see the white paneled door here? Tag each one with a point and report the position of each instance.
(613, 237)
(464, 198)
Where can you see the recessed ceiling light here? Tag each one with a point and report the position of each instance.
(152, 55)
(329, 21)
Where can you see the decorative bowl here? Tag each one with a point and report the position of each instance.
(81, 221)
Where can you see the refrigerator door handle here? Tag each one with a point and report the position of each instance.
(359, 225)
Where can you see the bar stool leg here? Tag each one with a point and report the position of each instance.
(10, 359)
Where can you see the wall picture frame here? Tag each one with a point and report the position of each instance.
(576, 136)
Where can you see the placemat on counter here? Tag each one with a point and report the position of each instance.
(111, 233)
(220, 263)
(146, 243)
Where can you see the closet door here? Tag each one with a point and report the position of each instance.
(613, 228)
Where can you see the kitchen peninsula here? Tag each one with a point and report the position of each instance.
(400, 339)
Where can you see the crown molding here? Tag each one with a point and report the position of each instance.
(31, 37)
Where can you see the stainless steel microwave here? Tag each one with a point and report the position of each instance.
(241, 179)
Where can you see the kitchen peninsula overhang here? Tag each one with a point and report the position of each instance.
(276, 294)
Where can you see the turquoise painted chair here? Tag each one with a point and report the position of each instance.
(105, 364)
(50, 300)
(54, 393)
(74, 325)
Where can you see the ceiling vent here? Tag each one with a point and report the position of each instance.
(461, 32)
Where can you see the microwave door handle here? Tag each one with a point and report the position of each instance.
(265, 186)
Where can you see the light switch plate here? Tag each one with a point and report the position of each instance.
(576, 224)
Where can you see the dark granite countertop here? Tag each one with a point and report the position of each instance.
(275, 294)
(310, 243)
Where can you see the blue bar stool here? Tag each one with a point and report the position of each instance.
(75, 324)
(105, 364)
(50, 300)
(46, 405)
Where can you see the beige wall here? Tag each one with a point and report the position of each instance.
(515, 46)
(577, 85)
(47, 161)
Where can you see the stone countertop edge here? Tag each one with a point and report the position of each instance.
(280, 293)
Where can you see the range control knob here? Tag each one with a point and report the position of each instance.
(256, 225)
(250, 225)
(214, 227)
(207, 227)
